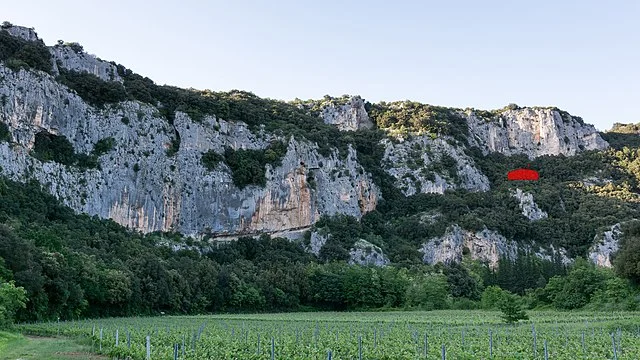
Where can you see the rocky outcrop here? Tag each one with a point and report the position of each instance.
(595, 181)
(68, 58)
(529, 208)
(366, 253)
(431, 165)
(553, 254)
(625, 128)
(605, 246)
(486, 245)
(317, 242)
(533, 132)
(25, 33)
(140, 186)
(347, 117)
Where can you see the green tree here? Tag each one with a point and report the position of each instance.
(462, 282)
(575, 290)
(211, 159)
(627, 259)
(103, 146)
(511, 308)
(492, 296)
(12, 298)
(428, 292)
(617, 294)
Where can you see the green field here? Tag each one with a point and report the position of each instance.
(14, 346)
(372, 335)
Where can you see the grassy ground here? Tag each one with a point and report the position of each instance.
(14, 346)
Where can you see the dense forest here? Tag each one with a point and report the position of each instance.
(73, 266)
(58, 264)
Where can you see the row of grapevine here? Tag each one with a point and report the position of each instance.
(424, 335)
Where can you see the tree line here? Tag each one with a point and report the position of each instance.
(73, 266)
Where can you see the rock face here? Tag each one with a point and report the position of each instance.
(83, 62)
(28, 34)
(529, 208)
(605, 246)
(485, 245)
(138, 185)
(595, 181)
(533, 132)
(317, 242)
(69, 58)
(141, 185)
(348, 117)
(625, 128)
(431, 165)
(553, 254)
(366, 253)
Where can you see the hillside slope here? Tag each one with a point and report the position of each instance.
(111, 143)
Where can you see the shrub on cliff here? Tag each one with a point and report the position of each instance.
(76, 47)
(247, 165)
(49, 147)
(20, 53)
(5, 135)
(91, 88)
(211, 159)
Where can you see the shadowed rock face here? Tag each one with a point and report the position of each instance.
(533, 132)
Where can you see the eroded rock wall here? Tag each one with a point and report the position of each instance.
(486, 245)
(140, 186)
(417, 165)
(533, 132)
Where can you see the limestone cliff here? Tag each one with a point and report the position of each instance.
(533, 132)
(486, 245)
(431, 165)
(140, 186)
(148, 183)
(22, 32)
(72, 59)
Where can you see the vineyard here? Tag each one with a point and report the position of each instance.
(359, 335)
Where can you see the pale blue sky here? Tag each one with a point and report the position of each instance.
(581, 56)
